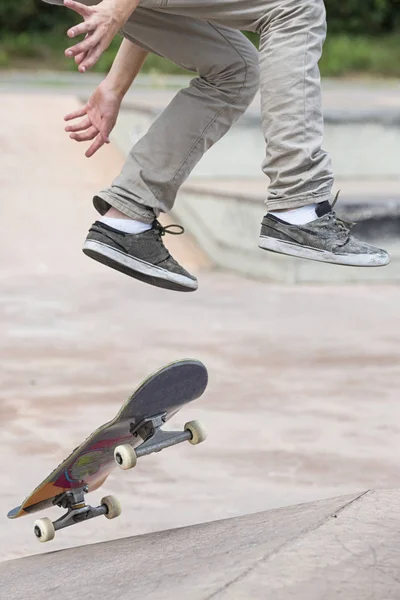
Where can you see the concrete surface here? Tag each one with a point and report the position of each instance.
(303, 395)
(347, 547)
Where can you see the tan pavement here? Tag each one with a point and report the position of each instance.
(303, 400)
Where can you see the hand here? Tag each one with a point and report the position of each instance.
(99, 117)
(101, 23)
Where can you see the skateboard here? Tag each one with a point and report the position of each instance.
(136, 431)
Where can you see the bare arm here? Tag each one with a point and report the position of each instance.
(99, 115)
(127, 64)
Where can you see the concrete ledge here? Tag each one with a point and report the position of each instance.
(227, 226)
(346, 547)
(366, 149)
(345, 101)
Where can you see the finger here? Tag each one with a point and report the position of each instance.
(85, 46)
(91, 39)
(86, 136)
(81, 9)
(79, 58)
(97, 144)
(81, 126)
(81, 112)
(82, 28)
(92, 56)
(106, 127)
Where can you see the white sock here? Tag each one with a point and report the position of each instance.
(297, 216)
(126, 225)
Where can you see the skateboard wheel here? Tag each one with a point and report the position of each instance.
(113, 507)
(44, 529)
(125, 456)
(197, 430)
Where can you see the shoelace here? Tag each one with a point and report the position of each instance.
(168, 228)
(161, 230)
(335, 199)
(344, 226)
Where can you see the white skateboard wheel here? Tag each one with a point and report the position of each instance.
(113, 507)
(197, 430)
(125, 456)
(44, 530)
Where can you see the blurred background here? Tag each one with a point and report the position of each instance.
(303, 359)
(363, 38)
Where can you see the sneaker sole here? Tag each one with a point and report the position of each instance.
(350, 260)
(137, 268)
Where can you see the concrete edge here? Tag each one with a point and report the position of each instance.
(384, 116)
(344, 502)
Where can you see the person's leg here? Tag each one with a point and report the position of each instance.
(291, 40)
(301, 221)
(227, 67)
(198, 116)
(292, 33)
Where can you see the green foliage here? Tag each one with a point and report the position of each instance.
(33, 15)
(4, 59)
(362, 38)
(14, 14)
(347, 54)
(363, 16)
(344, 16)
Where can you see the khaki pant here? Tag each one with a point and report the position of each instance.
(204, 36)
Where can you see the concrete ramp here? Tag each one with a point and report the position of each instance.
(347, 547)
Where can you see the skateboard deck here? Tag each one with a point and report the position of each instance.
(162, 394)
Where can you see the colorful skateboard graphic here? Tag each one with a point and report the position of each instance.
(134, 432)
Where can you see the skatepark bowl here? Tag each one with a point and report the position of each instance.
(294, 494)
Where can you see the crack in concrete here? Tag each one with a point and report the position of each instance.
(270, 555)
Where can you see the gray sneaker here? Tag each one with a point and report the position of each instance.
(327, 239)
(142, 255)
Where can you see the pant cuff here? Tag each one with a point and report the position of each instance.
(297, 201)
(104, 200)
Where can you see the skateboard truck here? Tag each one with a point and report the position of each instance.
(77, 511)
(155, 439)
